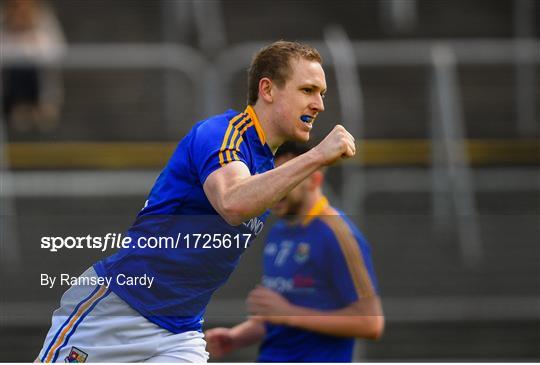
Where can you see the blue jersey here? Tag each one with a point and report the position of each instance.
(204, 249)
(324, 264)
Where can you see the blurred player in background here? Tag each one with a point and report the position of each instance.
(220, 180)
(318, 291)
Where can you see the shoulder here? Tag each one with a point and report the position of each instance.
(333, 225)
(225, 132)
(215, 126)
(330, 221)
(353, 248)
(338, 224)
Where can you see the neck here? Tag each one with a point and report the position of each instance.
(273, 139)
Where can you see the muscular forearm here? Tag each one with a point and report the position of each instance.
(237, 196)
(251, 196)
(247, 333)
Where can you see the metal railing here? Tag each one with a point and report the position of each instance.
(450, 165)
(352, 110)
(210, 80)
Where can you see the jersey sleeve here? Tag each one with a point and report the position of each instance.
(217, 143)
(350, 265)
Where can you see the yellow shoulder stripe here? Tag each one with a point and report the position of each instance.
(351, 252)
(224, 151)
(230, 146)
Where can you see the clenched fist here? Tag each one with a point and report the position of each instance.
(337, 144)
(219, 341)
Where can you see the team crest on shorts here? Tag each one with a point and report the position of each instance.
(302, 253)
(76, 355)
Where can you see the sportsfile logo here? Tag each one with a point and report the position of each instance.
(118, 241)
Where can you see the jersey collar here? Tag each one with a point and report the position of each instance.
(315, 210)
(256, 123)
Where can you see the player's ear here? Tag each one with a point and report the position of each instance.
(265, 89)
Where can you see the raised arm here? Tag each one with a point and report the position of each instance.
(237, 196)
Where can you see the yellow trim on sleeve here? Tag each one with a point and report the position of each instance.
(228, 150)
(351, 252)
(223, 148)
(240, 139)
(236, 140)
(224, 144)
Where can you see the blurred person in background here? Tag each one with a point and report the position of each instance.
(318, 289)
(31, 95)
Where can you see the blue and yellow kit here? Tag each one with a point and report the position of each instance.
(187, 274)
(324, 263)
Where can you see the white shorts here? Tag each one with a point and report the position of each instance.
(94, 325)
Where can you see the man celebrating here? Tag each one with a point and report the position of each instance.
(318, 289)
(216, 187)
